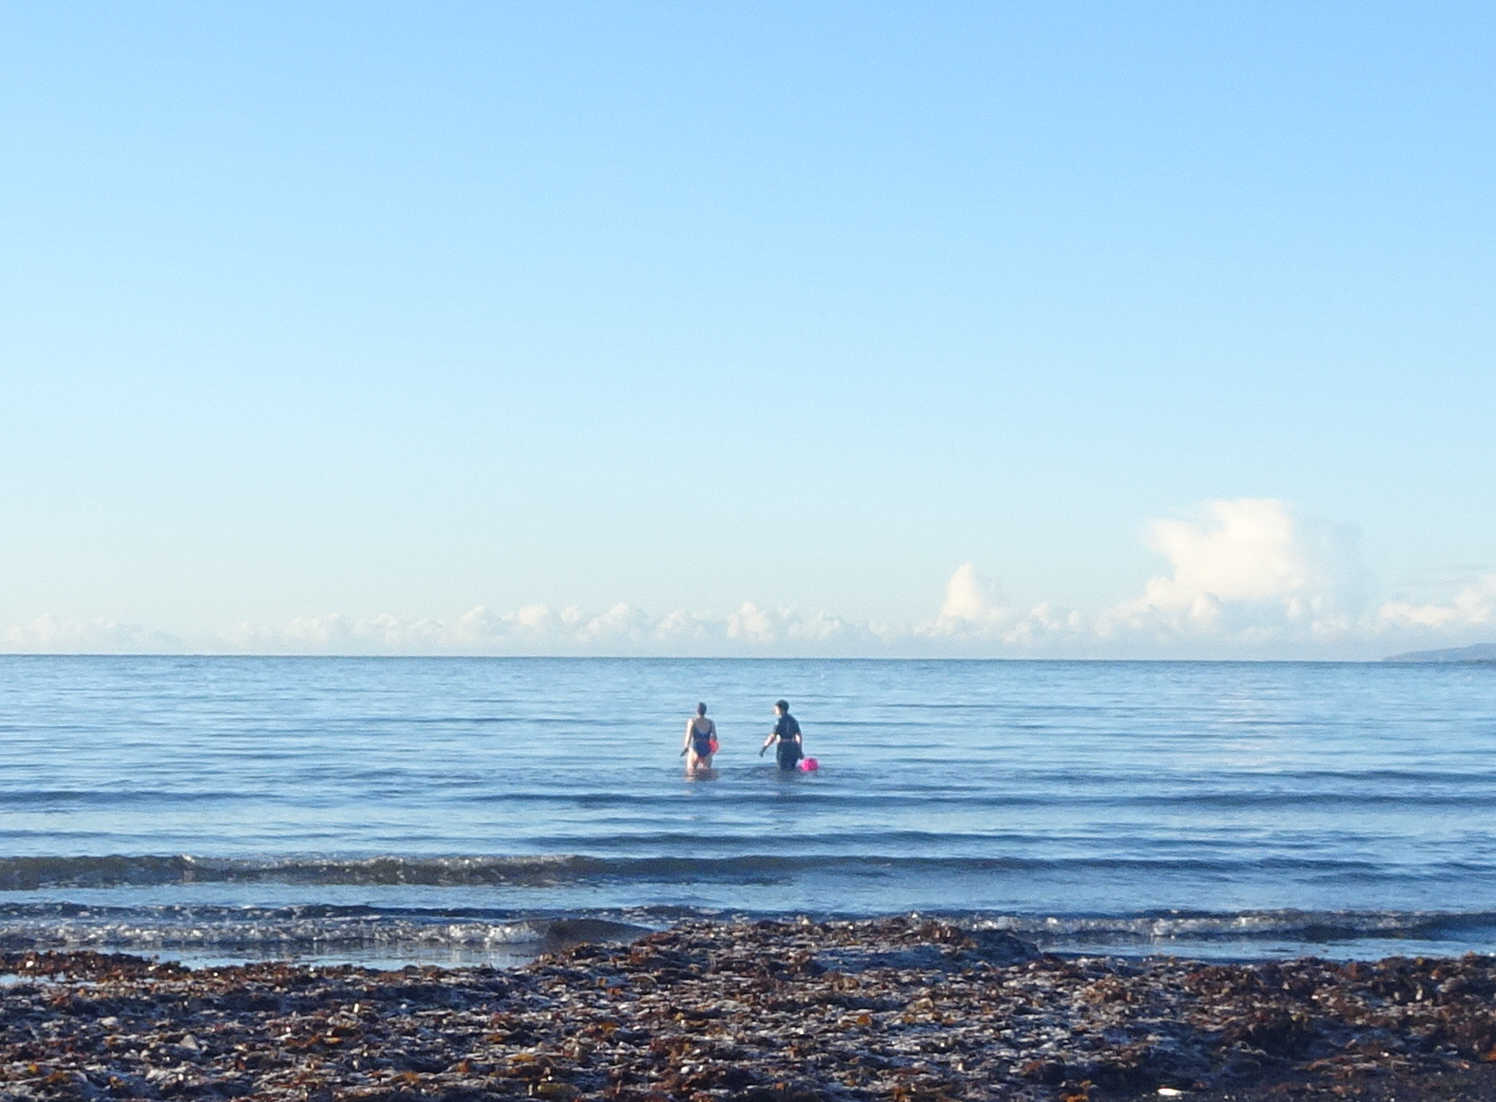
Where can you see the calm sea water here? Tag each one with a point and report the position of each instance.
(393, 810)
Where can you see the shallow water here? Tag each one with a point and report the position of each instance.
(455, 809)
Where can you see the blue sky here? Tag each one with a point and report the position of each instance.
(1127, 330)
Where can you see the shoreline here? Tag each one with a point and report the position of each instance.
(773, 1011)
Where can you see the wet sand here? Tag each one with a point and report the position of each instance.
(902, 1009)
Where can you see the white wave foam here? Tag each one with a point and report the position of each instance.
(1279, 924)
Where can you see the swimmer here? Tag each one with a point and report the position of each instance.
(701, 742)
(786, 734)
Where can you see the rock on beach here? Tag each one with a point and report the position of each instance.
(904, 1009)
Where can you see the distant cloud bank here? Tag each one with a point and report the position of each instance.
(1244, 578)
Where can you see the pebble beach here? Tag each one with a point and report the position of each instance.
(897, 1008)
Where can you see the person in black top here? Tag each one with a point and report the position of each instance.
(786, 733)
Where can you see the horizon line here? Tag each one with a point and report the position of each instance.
(1394, 659)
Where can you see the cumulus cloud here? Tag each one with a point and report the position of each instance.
(975, 613)
(335, 633)
(969, 598)
(621, 629)
(1473, 606)
(764, 627)
(1245, 577)
(1241, 576)
(1248, 571)
(49, 634)
(623, 624)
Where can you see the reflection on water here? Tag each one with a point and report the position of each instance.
(975, 788)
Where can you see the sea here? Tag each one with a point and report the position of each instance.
(398, 811)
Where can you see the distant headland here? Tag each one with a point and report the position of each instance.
(1479, 652)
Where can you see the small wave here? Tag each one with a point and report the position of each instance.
(294, 931)
(33, 873)
(1247, 926)
(97, 797)
(1094, 796)
(399, 935)
(37, 873)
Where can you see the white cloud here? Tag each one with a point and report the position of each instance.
(1473, 606)
(1245, 550)
(1248, 571)
(751, 624)
(1241, 577)
(683, 627)
(969, 598)
(622, 625)
(975, 614)
(621, 629)
(1247, 577)
(972, 609)
(761, 628)
(48, 634)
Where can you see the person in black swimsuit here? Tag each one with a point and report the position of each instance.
(790, 742)
(701, 741)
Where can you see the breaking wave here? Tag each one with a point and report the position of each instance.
(1306, 927)
(36, 873)
(294, 931)
(394, 936)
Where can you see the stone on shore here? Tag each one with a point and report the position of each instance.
(904, 1008)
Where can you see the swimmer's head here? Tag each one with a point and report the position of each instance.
(782, 705)
(701, 709)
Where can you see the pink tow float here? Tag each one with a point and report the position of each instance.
(809, 765)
